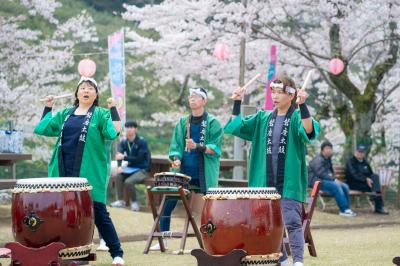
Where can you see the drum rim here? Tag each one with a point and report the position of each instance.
(52, 180)
(244, 189)
(173, 174)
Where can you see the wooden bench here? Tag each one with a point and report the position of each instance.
(340, 174)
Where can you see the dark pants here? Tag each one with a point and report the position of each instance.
(106, 229)
(376, 187)
(291, 212)
(130, 181)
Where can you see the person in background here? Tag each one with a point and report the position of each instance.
(134, 149)
(359, 176)
(320, 168)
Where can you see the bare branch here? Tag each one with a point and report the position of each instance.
(385, 96)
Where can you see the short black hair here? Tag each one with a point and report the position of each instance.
(131, 123)
(326, 143)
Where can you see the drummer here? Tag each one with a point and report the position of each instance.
(196, 149)
(82, 149)
(278, 152)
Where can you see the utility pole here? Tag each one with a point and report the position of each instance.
(238, 142)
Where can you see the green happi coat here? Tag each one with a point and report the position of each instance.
(95, 166)
(213, 140)
(254, 128)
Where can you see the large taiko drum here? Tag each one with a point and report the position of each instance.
(243, 218)
(46, 210)
(171, 179)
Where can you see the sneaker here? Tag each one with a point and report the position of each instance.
(297, 263)
(102, 246)
(348, 213)
(135, 206)
(118, 204)
(156, 247)
(383, 210)
(285, 262)
(118, 261)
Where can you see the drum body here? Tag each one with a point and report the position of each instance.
(171, 179)
(243, 218)
(46, 210)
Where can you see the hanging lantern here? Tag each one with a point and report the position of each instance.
(221, 51)
(87, 68)
(336, 66)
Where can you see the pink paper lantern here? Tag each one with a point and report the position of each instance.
(336, 65)
(221, 51)
(87, 68)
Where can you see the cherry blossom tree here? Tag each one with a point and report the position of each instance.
(364, 34)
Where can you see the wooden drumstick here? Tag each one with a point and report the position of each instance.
(308, 77)
(249, 82)
(58, 97)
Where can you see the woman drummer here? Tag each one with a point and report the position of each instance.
(82, 149)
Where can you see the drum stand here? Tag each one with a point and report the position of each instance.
(44, 256)
(155, 230)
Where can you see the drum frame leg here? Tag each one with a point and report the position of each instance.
(155, 231)
(47, 255)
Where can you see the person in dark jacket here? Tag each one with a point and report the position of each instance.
(135, 151)
(320, 168)
(359, 176)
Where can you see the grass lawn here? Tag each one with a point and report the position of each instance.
(361, 246)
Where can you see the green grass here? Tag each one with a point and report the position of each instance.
(361, 246)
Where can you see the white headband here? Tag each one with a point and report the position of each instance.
(83, 79)
(199, 91)
(281, 86)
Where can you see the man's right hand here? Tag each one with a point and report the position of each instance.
(176, 163)
(49, 101)
(369, 182)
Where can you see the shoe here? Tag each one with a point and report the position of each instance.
(118, 204)
(348, 213)
(285, 262)
(297, 263)
(118, 261)
(102, 246)
(156, 247)
(382, 210)
(135, 206)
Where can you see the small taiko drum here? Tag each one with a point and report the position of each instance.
(243, 218)
(171, 179)
(46, 210)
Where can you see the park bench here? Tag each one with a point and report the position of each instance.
(340, 174)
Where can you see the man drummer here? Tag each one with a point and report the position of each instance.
(196, 149)
(278, 152)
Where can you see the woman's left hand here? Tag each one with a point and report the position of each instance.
(110, 102)
(302, 95)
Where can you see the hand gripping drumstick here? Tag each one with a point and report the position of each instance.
(308, 77)
(58, 97)
(250, 81)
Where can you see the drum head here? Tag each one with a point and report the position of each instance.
(51, 184)
(185, 177)
(243, 193)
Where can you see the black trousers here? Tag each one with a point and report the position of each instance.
(376, 187)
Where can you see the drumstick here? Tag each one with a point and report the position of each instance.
(308, 77)
(58, 97)
(250, 81)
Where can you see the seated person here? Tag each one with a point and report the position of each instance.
(135, 151)
(359, 176)
(320, 168)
